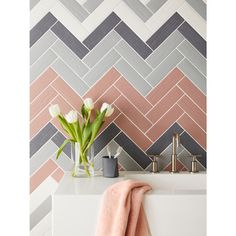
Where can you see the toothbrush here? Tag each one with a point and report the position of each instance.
(118, 152)
(109, 151)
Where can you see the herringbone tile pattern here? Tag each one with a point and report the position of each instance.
(146, 57)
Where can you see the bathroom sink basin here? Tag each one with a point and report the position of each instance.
(176, 206)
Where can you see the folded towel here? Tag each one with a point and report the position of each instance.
(121, 212)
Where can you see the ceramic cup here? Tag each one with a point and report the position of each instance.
(110, 167)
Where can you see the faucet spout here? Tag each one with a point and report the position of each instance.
(175, 144)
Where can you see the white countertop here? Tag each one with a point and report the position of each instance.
(97, 184)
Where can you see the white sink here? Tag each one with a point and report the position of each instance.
(175, 207)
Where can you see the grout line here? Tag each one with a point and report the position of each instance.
(191, 135)
(163, 98)
(32, 82)
(191, 63)
(49, 48)
(67, 64)
(164, 114)
(50, 84)
(43, 107)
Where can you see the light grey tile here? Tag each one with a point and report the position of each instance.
(101, 49)
(165, 48)
(193, 56)
(33, 3)
(47, 150)
(63, 161)
(91, 5)
(100, 68)
(199, 6)
(76, 9)
(164, 68)
(40, 212)
(155, 5)
(38, 67)
(185, 158)
(70, 58)
(133, 58)
(70, 77)
(193, 74)
(139, 9)
(133, 77)
(41, 46)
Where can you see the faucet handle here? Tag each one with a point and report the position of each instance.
(194, 163)
(154, 156)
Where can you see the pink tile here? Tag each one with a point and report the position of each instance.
(42, 174)
(133, 95)
(193, 129)
(40, 121)
(133, 132)
(179, 166)
(164, 86)
(165, 104)
(134, 115)
(103, 84)
(164, 123)
(193, 92)
(42, 101)
(58, 174)
(41, 83)
(66, 91)
(193, 111)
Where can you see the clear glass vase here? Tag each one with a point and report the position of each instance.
(83, 162)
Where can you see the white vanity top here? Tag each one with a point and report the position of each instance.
(162, 183)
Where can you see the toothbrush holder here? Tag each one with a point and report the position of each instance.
(110, 167)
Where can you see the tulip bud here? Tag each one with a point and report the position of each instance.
(109, 108)
(88, 103)
(71, 117)
(54, 110)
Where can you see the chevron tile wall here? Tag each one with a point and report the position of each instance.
(146, 57)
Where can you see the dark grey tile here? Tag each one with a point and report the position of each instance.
(161, 34)
(70, 40)
(41, 138)
(164, 141)
(58, 139)
(101, 31)
(193, 147)
(193, 37)
(43, 26)
(133, 40)
(40, 212)
(134, 151)
(105, 137)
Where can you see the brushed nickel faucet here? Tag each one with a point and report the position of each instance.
(175, 144)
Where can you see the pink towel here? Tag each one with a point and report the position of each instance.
(122, 213)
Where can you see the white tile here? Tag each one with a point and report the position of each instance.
(145, 2)
(100, 14)
(163, 14)
(44, 227)
(40, 10)
(41, 193)
(193, 18)
(133, 21)
(69, 21)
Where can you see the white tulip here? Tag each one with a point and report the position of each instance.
(88, 103)
(54, 110)
(71, 117)
(109, 108)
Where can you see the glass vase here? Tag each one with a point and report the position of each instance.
(83, 162)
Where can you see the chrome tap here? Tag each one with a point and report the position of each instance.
(175, 144)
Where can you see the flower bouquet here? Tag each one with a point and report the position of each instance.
(81, 134)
